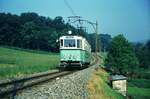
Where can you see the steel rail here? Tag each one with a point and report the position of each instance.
(25, 79)
(15, 85)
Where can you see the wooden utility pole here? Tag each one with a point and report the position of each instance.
(97, 41)
(96, 37)
(97, 46)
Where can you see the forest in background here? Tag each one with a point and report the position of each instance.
(31, 31)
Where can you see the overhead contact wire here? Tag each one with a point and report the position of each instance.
(67, 4)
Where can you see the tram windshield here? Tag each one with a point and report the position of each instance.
(69, 42)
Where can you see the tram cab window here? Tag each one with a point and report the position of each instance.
(61, 42)
(69, 42)
(79, 43)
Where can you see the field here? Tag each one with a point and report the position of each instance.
(139, 88)
(16, 62)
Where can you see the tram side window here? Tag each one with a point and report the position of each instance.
(79, 43)
(69, 42)
(61, 42)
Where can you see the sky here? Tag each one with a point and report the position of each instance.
(128, 17)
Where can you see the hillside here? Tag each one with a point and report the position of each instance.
(16, 62)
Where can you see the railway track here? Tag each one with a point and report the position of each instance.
(10, 88)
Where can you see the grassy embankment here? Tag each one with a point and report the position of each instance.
(16, 62)
(98, 86)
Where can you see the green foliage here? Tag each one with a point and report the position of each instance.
(139, 93)
(121, 57)
(29, 30)
(141, 83)
(143, 54)
(108, 91)
(143, 73)
(104, 40)
(21, 62)
(139, 88)
(111, 93)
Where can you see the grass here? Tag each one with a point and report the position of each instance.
(141, 83)
(20, 62)
(139, 93)
(102, 56)
(99, 89)
(139, 88)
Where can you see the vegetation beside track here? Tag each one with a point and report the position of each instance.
(98, 87)
(139, 93)
(19, 62)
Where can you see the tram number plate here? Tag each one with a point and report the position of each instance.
(69, 37)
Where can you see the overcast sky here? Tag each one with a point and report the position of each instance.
(129, 17)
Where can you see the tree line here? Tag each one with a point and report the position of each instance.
(31, 31)
(142, 51)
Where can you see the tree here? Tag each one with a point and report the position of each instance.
(143, 50)
(58, 23)
(29, 30)
(121, 57)
(9, 28)
(30, 34)
(103, 39)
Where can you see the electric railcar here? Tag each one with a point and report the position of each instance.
(75, 51)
